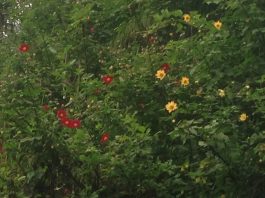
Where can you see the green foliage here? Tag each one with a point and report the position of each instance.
(204, 148)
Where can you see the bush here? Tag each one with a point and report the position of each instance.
(133, 99)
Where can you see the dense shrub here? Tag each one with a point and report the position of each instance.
(133, 99)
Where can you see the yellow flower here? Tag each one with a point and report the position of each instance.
(243, 117)
(185, 81)
(221, 92)
(171, 106)
(160, 74)
(186, 18)
(217, 24)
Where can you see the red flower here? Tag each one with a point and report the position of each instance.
(45, 107)
(107, 79)
(104, 138)
(70, 123)
(66, 122)
(75, 123)
(61, 113)
(165, 67)
(24, 47)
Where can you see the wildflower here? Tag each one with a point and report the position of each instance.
(70, 123)
(75, 123)
(221, 92)
(107, 79)
(186, 18)
(61, 113)
(185, 81)
(218, 24)
(243, 117)
(24, 47)
(165, 67)
(104, 138)
(171, 106)
(160, 74)
(66, 122)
